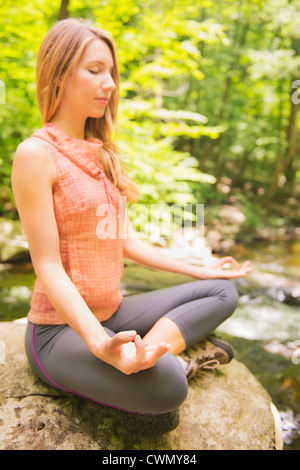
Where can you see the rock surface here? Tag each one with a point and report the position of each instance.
(229, 411)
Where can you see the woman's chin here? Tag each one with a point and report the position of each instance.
(96, 114)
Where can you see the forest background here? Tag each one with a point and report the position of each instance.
(209, 99)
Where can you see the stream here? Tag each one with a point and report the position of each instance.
(264, 330)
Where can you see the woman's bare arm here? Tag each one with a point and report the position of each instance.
(145, 254)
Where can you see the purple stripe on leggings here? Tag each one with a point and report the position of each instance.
(64, 388)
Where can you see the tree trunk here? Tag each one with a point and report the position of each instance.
(291, 135)
(63, 13)
(285, 164)
(239, 43)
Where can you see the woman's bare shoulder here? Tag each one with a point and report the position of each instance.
(33, 156)
(31, 149)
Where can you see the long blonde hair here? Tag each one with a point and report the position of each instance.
(59, 53)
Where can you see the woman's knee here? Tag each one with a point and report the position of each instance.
(168, 388)
(229, 295)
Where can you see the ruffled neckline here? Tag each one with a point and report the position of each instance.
(84, 153)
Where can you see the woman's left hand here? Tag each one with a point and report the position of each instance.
(217, 269)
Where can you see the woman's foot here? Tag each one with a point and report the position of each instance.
(211, 353)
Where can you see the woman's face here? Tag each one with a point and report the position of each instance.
(90, 85)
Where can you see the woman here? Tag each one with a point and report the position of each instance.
(79, 324)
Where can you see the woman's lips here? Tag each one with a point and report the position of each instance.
(103, 101)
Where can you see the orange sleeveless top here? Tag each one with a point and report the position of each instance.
(85, 202)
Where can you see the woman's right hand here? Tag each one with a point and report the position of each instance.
(113, 350)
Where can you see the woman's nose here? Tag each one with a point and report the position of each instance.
(109, 83)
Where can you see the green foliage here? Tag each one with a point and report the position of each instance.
(205, 110)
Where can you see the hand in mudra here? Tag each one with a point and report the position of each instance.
(128, 357)
(226, 268)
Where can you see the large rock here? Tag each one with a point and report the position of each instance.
(229, 411)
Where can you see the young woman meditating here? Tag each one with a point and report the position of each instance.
(79, 324)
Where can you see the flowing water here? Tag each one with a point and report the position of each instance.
(264, 330)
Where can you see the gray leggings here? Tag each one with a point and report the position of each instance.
(59, 356)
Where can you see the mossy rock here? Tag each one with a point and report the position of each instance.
(227, 411)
